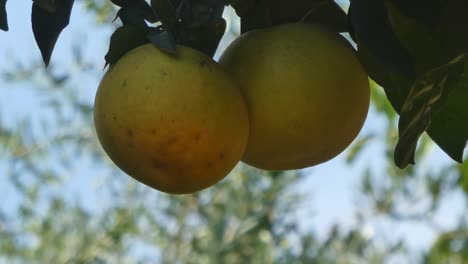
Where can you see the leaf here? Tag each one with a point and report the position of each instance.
(47, 26)
(198, 13)
(417, 38)
(123, 40)
(257, 17)
(3, 16)
(242, 7)
(206, 38)
(163, 40)
(427, 95)
(369, 22)
(121, 3)
(201, 25)
(48, 5)
(265, 13)
(435, 37)
(449, 126)
(453, 30)
(166, 13)
(436, 42)
(395, 85)
(427, 12)
(136, 14)
(328, 13)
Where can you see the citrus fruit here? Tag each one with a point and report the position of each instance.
(306, 92)
(178, 124)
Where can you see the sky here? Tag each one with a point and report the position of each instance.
(332, 186)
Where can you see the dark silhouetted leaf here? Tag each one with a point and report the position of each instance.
(370, 24)
(166, 12)
(195, 14)
(449, 126)
(417, 38)
(3, 16)
(121, 3)
(47, 26)
(257, 17)
(130, 17)
(163, 40)
(201, 25)
(49, 5)
(136, 12)
(427, 95)
(242, 7)
(206, 38)
(396, 86)
(123, 40)
(424, 11)
(328, 13)
(434, 43)
(453, 30)
(265, 13)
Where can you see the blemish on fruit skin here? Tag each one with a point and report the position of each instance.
(210, 164)
(197, 137)
(129, 132)
(221, 155)
(124, 83)
(163, 72)
(172, 141)
(159, 165)
(202, 62)
(114, 116)
(130, 145)
(153, 131)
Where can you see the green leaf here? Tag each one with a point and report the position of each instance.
(48, 5)
(163, 40)
(258, 16)
(432, 42)
(424, 11)
(123, 40)
(121, 3)
(368, 19)
(395, 85)
(3, 16)
(427, 95)
(166, 13)
(201, 25)
(328, 13)
(198, 13)
(265, 13)
(206, 38)
(242, 7)
(136, 15)
(48, 25)
(416, 37)
(449, 126)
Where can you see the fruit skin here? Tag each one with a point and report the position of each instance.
(177, 124)
(307, 94)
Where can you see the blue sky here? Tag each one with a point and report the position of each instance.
(332, 186)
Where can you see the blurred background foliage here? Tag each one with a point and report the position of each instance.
(250, 217)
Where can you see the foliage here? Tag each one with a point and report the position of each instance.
(251, 216)
(417, 56)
